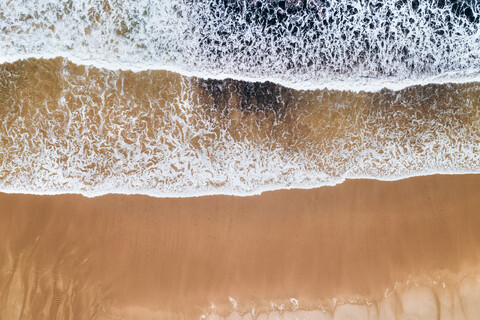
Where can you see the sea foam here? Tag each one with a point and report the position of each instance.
(75, 129)
(354, 45)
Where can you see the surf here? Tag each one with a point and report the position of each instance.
(359, 46)
(68, 128)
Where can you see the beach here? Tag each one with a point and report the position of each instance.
(240, 160)
(402, 248)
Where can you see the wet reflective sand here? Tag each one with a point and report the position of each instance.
(416, 241)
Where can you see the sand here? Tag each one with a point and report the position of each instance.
(409, 248)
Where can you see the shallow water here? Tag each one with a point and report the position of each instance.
(69, 128)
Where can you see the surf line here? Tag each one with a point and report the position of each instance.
(358, 84)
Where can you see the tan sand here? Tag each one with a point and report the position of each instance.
(137, 257)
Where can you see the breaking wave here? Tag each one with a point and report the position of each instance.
(353, 45)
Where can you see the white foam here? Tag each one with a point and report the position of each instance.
(189, 154)
(203, 39)
(184, 36)
(354, 85)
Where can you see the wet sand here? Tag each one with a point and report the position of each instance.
(137, 257)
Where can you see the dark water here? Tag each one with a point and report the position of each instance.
(351, 45)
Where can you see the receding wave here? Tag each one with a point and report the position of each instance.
(355, 45)
(433, 299)
(68, 128)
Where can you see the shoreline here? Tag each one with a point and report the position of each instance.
(257, 192)
(175, 257)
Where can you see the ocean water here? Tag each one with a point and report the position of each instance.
(186, 98)
(68, 128)
(344, 45)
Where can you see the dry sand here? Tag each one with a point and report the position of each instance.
(137, 257)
